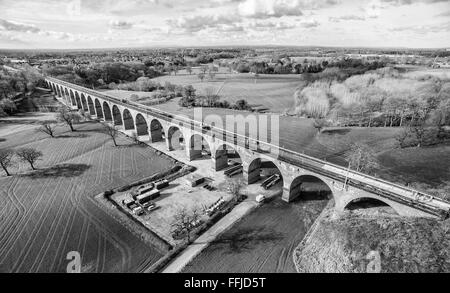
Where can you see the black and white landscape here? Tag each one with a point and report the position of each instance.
(224, 136)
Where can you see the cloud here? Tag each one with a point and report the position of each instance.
(409, 2)
(17, 27)
(346, 17)
(265, 25)
(270, 8)
(424, 29)
(120, 24)
(447, 13)
(279, 8)
(120, 7)
(309, 23)
(195, 23)
(12, 40)
(57, 35)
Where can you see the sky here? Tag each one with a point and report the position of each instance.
(79, 24)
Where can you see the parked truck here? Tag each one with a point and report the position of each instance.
(233, 170)
(271, 181)
(146, 197)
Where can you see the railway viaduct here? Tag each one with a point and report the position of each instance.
(153, 125)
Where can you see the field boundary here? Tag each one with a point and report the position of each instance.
(312, 230)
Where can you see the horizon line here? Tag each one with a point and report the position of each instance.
(225, 46)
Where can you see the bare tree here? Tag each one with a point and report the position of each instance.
(211, 96)
(84, 114)
(135, 137)
(402, 136)
(189, 69)
(361, 158)
(320, 124)
(48, 128)
(111, 131)
(212, 74)
(234, 187)
(29, 155)
(256, 76)
(68, 117)
(201, 76)
(184, 222)
(204, 69)
(6, 156)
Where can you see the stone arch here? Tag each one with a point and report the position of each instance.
(98, 108)
(309, 187)
(91, 105)
(78, 100)
(141, 125)
(175, 138)
(58, 91)
(72, 98)
(128, 120)
(84, 103)
(199, 147)
(261, 169)
(225, 156)
(368, 201)
(156, 131)
(107, 112)
(117, 116)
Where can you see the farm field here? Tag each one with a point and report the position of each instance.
(426, 165)
(21, 122)
(262, 242)
(273, 93)
(47, 213)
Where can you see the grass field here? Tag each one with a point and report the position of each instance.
(47, 213)
(404, 245)
(427, 165)
(262, 242)
(273, 93)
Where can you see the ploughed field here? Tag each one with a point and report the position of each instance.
(263, 241)
(47, 213)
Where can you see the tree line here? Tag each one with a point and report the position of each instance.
(16, 83)
(419, 103)
(210, 99)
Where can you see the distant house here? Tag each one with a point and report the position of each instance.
(18, 61)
